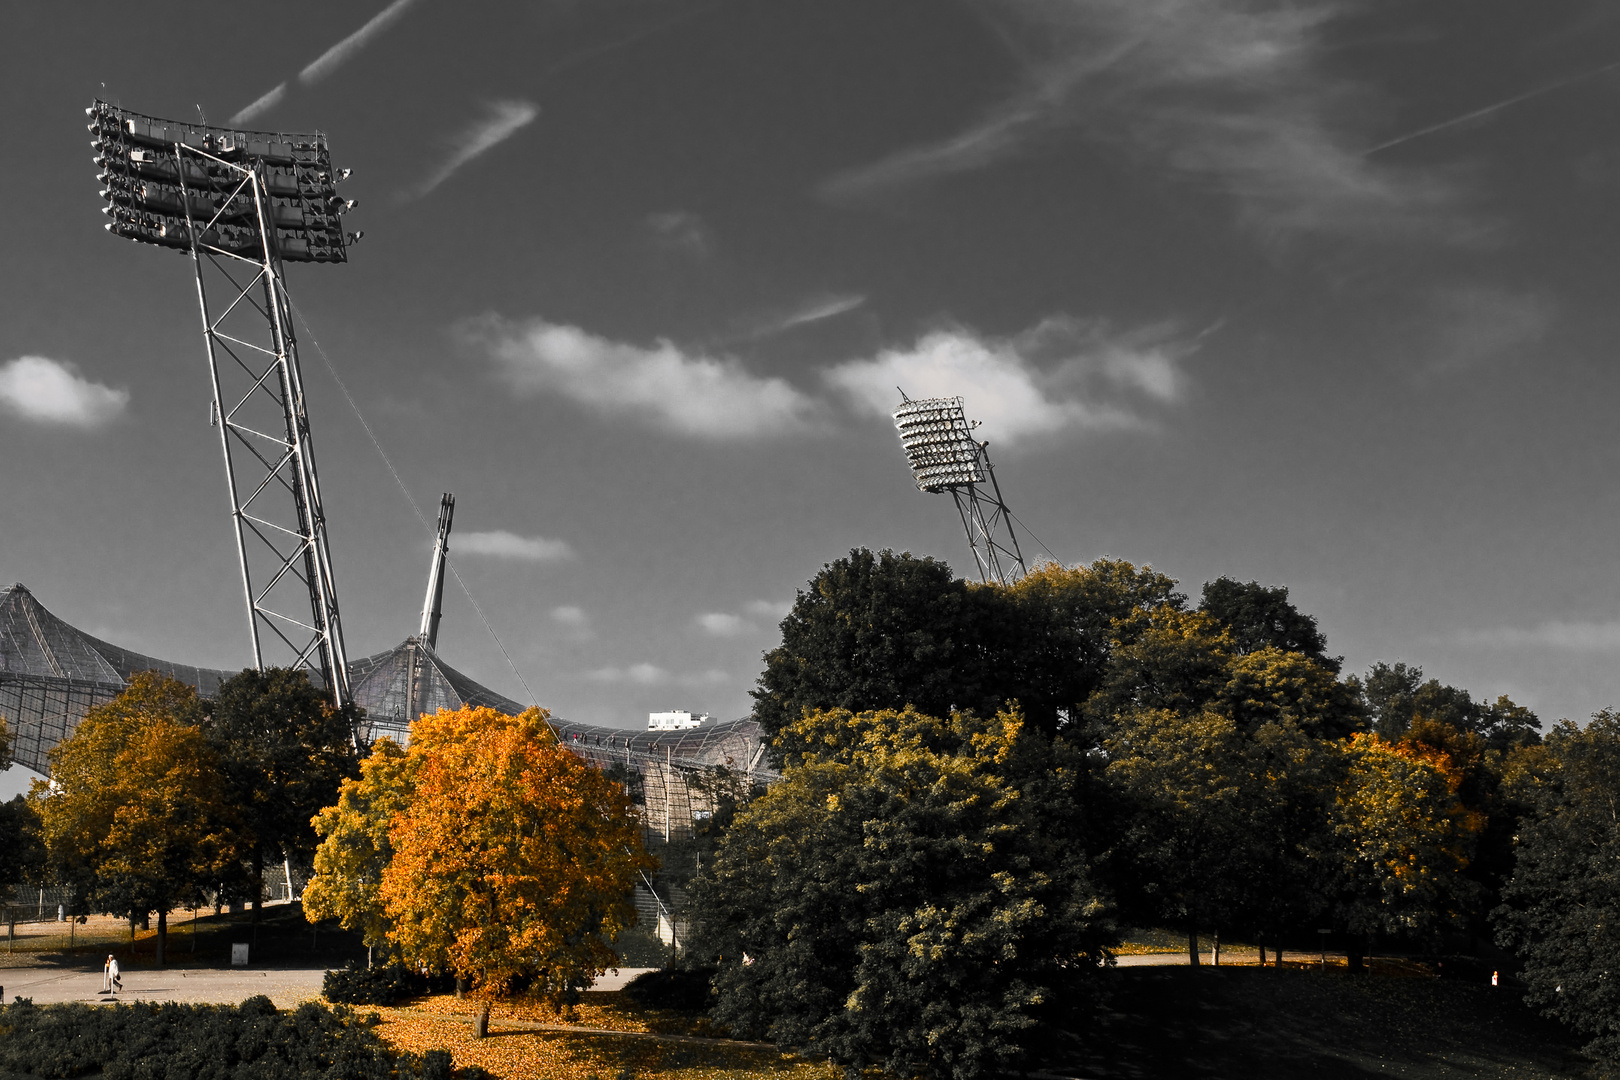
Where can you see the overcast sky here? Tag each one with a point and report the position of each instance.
(1314, 293)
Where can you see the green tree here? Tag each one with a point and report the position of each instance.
(285, 751)
(22, 844)
(1561, 909)
(917, 899)
(1403, 837)
(135, 816)
(355, 848)
(1059, 627)
(513, 859)
(878, 631)
(1259, 617)
(22, 848)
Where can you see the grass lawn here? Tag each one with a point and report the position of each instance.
(282, 938)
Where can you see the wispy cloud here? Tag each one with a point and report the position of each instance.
(501, 544)
(270, 100)
(1572, 636)
(503, 119)
(345, 50)
(1475, 323)
(682, 231)
(689, 394)
(569, 615)
(1062, 374)
(48, 391)
(1226, 93)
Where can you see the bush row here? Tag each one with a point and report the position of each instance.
(251, 1041)
(381, 985)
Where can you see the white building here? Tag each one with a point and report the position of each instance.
(679, 720)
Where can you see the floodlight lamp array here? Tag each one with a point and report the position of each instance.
(164, 180)
(939, 444)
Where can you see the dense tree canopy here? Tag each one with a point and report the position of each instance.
(1562, 905)
(284, 750)
(513, 860)
(1259, 617)
(355, 848)
(915, 896)
(136, 817)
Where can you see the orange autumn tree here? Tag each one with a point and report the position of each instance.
(1404, 836)
(514, 860)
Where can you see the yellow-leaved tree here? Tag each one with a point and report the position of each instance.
(355, 849)
(513, 860)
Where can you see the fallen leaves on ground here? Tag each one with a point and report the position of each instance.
(444, 1022)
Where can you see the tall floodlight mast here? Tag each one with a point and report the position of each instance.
(944, 456)
(243, 203)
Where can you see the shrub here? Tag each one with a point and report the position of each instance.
(384, 985)
(672, 988)
(206, 1042)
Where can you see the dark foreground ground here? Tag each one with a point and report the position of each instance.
(1257, 1024)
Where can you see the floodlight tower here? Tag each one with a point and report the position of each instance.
(243, 203)
(944, 456)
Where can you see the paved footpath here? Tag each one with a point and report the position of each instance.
(220, 986)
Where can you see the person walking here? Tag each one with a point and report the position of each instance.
(106, 975)
(112, 974)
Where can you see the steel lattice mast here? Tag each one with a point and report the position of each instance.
(243, 204)
(944, 456)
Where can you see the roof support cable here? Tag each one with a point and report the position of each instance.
(415, 508)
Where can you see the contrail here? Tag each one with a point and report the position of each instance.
(505, 118)
(268, 101)
(1487, 110)
(339, 54)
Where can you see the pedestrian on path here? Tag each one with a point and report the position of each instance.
(106, 975)
(112, 974)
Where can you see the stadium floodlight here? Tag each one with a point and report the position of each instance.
(944, 456)
(241, 204)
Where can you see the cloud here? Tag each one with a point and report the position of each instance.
(503, 120)
(1474, 323)
(704, 396)
(758, 616)
(721, 624)
(1228, 94)
(773, 611)
(501, 544)
(1062, 374)
(569, 615)
(270, 100)
(1575, 636)
(53, 392)
(644, 674)
(345, 50)
(681, 230)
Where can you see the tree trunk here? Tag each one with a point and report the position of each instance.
(1192, 943)
(480, 1024)
(163, 935)
(258, 882)
(1262, 952)
(1354, 958)
(1217, 956)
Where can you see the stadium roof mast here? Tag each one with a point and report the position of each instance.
(944, 456)
(243, 203)
(433, 605)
